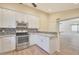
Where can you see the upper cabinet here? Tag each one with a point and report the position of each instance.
(21, 17)
(7, 18)
(0, 17)
(33, 21)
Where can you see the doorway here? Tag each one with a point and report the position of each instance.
(69, 36)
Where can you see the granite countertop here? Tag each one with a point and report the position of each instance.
(7, 32)
(47, 34)
(43, 32)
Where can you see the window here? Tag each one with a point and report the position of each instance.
(75, 27)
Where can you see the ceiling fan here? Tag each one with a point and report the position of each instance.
(34, 5)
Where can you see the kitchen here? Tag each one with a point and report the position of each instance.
(19, 31)
(32, 29)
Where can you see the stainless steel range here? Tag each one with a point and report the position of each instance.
(22, 36)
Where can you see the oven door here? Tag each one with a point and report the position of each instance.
(22, 40)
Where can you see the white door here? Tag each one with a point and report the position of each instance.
(44, 41)
(0, 45)
(24, 18)
(8, 19)
(32, 39)
(13, 42)
(33, 21)
(0, 17)
(19, 16)
(11, 19)
(5, 18)
(6, 44)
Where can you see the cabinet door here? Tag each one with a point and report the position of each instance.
(8, 19)
(54, 44)
(0, 45)
(11, 19)
(5, 18)
(32, 39)
(33, 21)
(6, 44)
(0, 17)
(24, 17)
(19, 16)
(39, 40)
(13, 42)
(44, 43)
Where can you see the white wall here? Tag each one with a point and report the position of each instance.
(62, 15)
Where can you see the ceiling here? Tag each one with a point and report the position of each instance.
(54, 7)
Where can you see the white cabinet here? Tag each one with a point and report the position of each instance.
(0, 17)
(7, 43)
(18, 17)
(49, 44)
(33, 21)
(8, 19)
(13, 42)
(33, 39)
(44, 43)
(21, 17)
(0, 45)
(25, 18)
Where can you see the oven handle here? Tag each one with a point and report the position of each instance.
(22, 35)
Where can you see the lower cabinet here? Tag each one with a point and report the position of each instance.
(0, 45)
(43, 42)
(49, 44)
(33, 39)
(7, 43)
(13, 42)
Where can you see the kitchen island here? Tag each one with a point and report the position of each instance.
(45, 40)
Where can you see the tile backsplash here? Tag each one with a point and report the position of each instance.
(7, 30)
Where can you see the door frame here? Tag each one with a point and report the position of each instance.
(57, 26)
